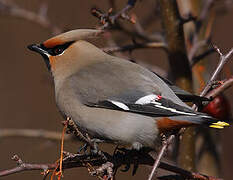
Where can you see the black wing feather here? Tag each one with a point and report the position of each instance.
(149, 109)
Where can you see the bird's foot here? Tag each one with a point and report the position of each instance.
(94, 149)
(83, 148)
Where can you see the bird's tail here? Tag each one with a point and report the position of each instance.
(213, 122)
(204, 119)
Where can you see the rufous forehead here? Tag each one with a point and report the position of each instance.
(50, 43)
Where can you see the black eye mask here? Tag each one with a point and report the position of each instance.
(57, 49)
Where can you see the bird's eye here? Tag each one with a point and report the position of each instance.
(57, 51)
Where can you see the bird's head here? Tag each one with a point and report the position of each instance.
(62, 52)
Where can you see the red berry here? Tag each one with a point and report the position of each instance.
(219, 108)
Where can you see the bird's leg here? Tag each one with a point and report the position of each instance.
(94, 147)
(92, 143)
(83, 148)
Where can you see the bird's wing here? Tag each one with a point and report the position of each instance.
(150, 105)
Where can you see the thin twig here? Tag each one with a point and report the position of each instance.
(160, 155)
(106, 21)
(60, 174)
(25, 167)
(130, 4)
(109, 20)
(222, 61)
(225, 85)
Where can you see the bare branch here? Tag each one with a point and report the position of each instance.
(32, 133)
(160, 155)
(25, 167)
(185, 173)
(106, 21)
(80, 160)
(222, 61)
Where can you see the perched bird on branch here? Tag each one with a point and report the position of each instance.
(113, 99)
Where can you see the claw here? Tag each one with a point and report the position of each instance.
(83, 148)
(94, 150)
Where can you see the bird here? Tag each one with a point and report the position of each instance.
(113, 99)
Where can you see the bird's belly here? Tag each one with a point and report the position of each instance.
(117, 126)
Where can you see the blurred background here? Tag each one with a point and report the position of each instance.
(27, 94)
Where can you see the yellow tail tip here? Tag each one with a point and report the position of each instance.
(219, 125)
(215, 126)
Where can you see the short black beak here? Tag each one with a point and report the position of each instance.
(37, 48)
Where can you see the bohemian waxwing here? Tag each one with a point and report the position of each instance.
(110, 98)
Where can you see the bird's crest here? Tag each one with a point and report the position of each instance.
(74, 35)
